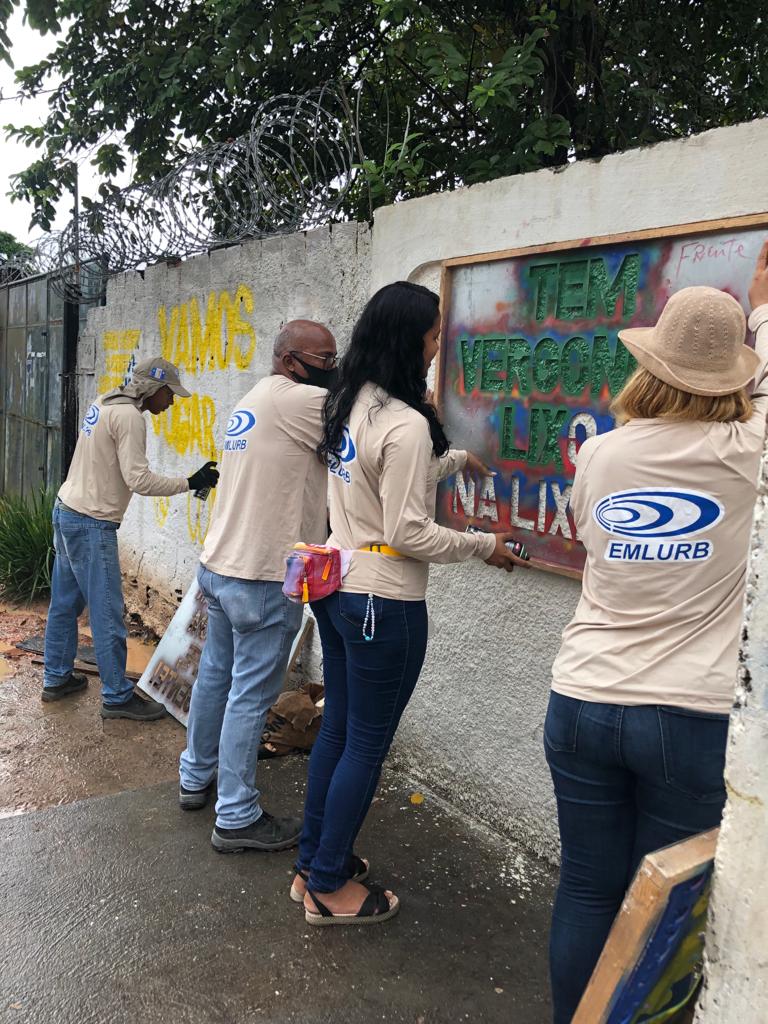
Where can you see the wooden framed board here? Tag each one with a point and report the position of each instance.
(171, 673)
(530, 361)
(651, 963)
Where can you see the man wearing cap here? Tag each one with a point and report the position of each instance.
(272, 495)
(108, 467)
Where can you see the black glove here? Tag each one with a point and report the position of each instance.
(207, 476)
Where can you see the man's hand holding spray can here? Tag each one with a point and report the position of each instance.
(203, 480)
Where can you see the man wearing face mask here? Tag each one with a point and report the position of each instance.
(272, 494)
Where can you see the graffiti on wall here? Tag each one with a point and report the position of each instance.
(531, 361)
(199, 337)
(119, 358)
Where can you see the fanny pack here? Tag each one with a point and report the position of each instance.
(313, 571)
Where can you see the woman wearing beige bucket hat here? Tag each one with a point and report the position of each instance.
(636, 728)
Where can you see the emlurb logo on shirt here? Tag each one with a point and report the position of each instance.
(90, 420)
(340, 460)
(656, 522)
(240, 422)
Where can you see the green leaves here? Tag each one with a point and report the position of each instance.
(447, 93)
(26, 546)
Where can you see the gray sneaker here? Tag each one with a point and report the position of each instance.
(134, 708)
(268, 833)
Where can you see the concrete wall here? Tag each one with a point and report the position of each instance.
(473, 729)
(230, 303)
(736, 989)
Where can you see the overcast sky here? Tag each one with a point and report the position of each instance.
(28, 47)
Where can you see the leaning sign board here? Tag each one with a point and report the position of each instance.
(531, 361)
(170, 676)
(651, 963)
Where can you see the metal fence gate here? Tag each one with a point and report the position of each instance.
(38, 393)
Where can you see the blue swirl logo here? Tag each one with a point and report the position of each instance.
(347, 452)
(90, 420)
(240, 422)
(657, 512)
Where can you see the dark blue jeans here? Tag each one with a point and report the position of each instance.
(628, 780)
(368, 684)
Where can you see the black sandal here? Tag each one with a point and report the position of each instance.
(360, 870)
(376, 909)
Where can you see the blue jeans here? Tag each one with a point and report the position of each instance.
(251, 625)
(628, 780)
(368, 684)
(86, 571)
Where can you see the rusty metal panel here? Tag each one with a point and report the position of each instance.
(15, 370)
(14, 451)
(36, 376)
(35, 457)
(17, 305)
(37, 301)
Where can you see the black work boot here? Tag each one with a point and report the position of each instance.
(74, 684)
(267, 833)
(195, 799)
(134, 708)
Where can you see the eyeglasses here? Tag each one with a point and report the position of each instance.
(327, 362)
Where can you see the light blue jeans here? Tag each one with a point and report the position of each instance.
(251, 625)
(86, 571)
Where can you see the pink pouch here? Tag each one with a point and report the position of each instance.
(312, 572)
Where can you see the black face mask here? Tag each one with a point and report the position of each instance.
(317, 377)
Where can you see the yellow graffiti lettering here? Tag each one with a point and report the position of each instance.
(188, 425)
(207, 341)
(168, 330)
(118, 347)
(225, 338)
(199, 516)
(237, 327)
(162, 506)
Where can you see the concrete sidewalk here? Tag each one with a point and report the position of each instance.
(118, 910)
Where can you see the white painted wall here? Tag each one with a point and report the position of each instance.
(736, 989)
(321, 275)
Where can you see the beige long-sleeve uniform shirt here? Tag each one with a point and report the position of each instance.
(110, 464)
(665, 512)
(383, 490)
(272, 490)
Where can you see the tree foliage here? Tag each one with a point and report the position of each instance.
(450, 92)
(11, 246)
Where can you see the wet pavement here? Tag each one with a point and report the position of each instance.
(115, 908)
(118, 910)
(64, 751)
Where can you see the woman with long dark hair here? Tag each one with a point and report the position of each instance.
(386, 450)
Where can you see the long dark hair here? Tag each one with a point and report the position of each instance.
(387, 348)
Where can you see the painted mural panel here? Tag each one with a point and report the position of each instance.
(531, 361)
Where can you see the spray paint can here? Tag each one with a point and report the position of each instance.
(515, 546)
(202, 493)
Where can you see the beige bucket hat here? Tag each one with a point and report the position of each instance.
(697, 344)
(147, 377)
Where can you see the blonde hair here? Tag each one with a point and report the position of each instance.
(644, 396)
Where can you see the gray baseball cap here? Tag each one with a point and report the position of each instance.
(160, 372)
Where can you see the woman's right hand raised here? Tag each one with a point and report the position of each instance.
(502, 557)
(758, 288)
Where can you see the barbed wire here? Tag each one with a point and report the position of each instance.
(291, 171)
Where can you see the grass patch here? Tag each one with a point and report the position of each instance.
(26, 546)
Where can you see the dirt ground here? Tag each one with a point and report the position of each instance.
(56, 753)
